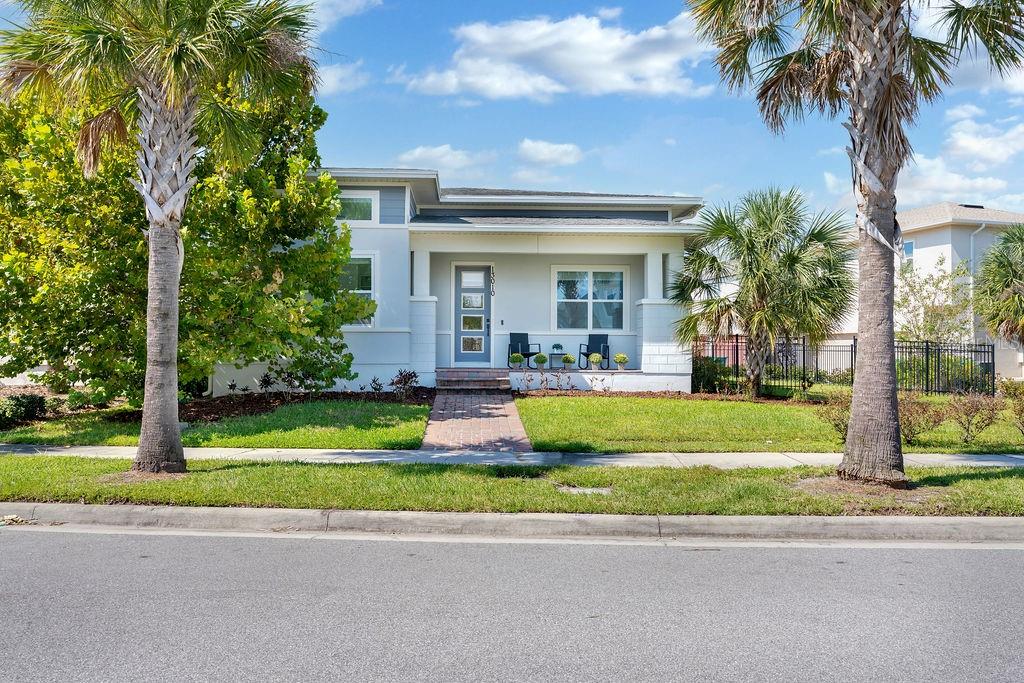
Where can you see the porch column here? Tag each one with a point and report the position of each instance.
(655, 281)
(423, 320)
(675, 264)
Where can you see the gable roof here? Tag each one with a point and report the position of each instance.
(945, 213)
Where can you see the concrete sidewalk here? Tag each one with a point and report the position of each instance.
(314, 455)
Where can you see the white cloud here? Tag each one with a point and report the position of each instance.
(609, 13)
(831, 151)
(549, 153)
(964, 111)
(835, 185)
(984, 145)
(540, 58)
(341, 78)
(670, 142)
(930, 179)
(327, 13)
(448, 161)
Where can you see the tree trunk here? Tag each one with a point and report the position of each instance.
(758, 352)
(873, 449)
(166, 159)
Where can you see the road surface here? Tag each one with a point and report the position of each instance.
(163, 607)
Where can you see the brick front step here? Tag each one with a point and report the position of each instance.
(474, 380)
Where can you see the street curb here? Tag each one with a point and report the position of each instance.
(528, 525)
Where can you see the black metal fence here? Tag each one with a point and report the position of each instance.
(929, 367)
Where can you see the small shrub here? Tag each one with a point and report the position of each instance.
(403, 383)
(918, 416)
(541, 359)
(1013, 392)
(836, 412)
(96, 398)
(55, 405)
(266, 382)
(376, 385)
(844, 376)
(595, 359)
(8, 414)
(710, 376)
(21, 408)
(568, 360)
(974, 413)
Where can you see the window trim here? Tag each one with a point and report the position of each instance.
(908, 260)
(373, 196)
(373, 256)
(589, 269)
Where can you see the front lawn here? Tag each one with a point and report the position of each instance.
(608, 424)
(316, 424)
(475, 488)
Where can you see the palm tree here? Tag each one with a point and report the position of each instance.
(168, 71)
(860, 59)
(999, 286)
(766, 268)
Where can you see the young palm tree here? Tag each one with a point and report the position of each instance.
(860, 59)
(164, 70)
(999, 286)
(766, 268)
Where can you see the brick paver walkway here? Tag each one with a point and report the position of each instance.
(475, 422)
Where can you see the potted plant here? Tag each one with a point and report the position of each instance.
(556, 353)
(595, 360)
(541, 359)
(621, 359)
(517, 360)
(568, 360)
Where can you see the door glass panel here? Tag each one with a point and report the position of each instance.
(472, 344)
(473, 278)
(472, 300)
(608, 286)
(472, 323)
(572, 315)
(607, 315)
(572, 285)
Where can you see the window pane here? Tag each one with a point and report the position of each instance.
(608, 286)
(358, 275)
(473, 344)
(908, 249)
(356, 209)
(472, 323)
(472, 300)
(472, 278)
(572, 284)
(607, 316)
(572, 315)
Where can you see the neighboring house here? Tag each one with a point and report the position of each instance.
(454, 271)
(953, 234)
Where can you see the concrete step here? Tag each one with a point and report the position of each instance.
(475, 384)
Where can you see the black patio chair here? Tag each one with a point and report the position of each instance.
(596, 343)
(519, 342)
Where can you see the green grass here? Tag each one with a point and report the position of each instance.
(318, 424)
(466, 488)
(605, 424)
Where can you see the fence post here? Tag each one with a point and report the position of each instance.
(927, 367)
(736, 352)
(803, 365)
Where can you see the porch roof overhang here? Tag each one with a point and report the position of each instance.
(503, 225)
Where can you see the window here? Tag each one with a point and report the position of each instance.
(360, 207)
(591, 299)
(358, 279)
(908, 253)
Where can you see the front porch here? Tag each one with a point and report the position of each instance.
(470, 292)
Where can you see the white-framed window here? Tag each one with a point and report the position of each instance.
(360, 278)
(589, 297)
(360, 207)
(908, 253)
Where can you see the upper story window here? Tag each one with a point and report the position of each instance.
(908, 253)
(590, 298)
(360, 207)
(358, 278)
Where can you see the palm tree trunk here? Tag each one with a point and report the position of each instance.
(758, 352)
(873, 449)
(166, 159)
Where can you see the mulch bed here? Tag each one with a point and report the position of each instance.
(854, 494)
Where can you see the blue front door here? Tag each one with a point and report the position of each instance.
(473, 315)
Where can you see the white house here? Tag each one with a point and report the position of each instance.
(950, 234)
(455, 271)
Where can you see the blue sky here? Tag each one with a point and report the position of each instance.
(618, 97)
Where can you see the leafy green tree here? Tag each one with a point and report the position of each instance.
(999, 286)
(860, 60)
(766, 268)
(161, 69)
(935, 305)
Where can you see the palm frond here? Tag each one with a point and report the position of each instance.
(107, 127)
(995, 25)
(929, 63)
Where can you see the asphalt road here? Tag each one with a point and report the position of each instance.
(77, 606)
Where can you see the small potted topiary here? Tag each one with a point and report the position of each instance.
(595, 360)
(541, 360)
(556, 353)
(568, 360)
(517, 360)
(621, 359)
